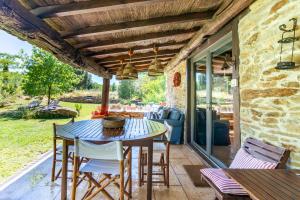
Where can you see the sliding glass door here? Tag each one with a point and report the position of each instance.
(211, 101)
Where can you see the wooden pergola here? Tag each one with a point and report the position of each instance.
(95, 35)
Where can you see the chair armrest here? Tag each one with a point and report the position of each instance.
(174, 123)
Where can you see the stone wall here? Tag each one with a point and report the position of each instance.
(176, 96)
(270, 98)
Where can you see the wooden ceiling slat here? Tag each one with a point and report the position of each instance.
(138, 62)
(139, 55)
(17, 20)
(136, 48)
(135, 39)
(138, 68)
(135, 63)
(114, 62)
(84, 7)
(134, 25)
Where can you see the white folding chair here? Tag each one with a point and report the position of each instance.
(107, 161)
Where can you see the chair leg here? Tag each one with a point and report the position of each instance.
(168, 164)
(74, 184)
(140, 166)
(53, 178)
(121, 180)
(130, 172)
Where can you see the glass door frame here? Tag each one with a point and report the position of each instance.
(206, 53)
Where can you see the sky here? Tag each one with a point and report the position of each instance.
(12, 45)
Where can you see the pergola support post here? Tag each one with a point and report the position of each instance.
(105, 96)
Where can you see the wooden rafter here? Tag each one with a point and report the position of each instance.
(139, 56)
(138, 68)
(84, 7)
(144, 61)
(137, 48)
(137, 64)
(15, 19)
(231, 9)
(135, 25)
(134, 39)
(114, 62)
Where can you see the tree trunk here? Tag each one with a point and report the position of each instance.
(49, 94)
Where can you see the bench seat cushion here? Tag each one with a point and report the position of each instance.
(244, 160)
(222, 182)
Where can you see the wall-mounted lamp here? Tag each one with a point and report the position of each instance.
(287, 40)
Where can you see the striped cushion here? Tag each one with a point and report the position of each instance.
(244, 160)
(220, 180)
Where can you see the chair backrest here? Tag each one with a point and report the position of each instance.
(168, 134)
(266, 152)
(59, 131)
(108, 151)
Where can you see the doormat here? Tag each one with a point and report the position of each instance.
(194, 173)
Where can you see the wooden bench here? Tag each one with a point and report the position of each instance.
(260, 150)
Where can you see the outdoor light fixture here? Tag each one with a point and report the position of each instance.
(130, 71)
(155, 68)
(286, 40)
(119, 74)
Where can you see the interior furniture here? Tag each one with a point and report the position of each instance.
(279, 184)
(254, 155)
(106, 166)
(57, 151)
(220, 129)
(161, 146)
(136, 132)
(174, 118)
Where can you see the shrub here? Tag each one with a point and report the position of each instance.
(78, 108)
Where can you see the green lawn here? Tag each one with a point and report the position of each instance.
(23, 141)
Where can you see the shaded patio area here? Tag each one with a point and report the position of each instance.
(36, 183)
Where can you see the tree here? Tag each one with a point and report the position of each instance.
(153, 89)
(8, 61)
(47, 76)
(113, 87)
(85, 80)
(9, 81)
(126, 89)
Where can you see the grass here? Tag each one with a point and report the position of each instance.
(23, 141)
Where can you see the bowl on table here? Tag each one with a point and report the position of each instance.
(113, 122)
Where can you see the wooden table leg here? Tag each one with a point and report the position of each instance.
(149, 173)
(64, 172)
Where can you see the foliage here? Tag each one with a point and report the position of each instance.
(10, 61)
(149, 89)
(78, 108)
(9, 81)
(10, 86)
(153, 89)
(47, 76)
(126, 89)
(113, 87)
(85, 80)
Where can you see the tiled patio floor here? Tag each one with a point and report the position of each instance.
(36, 183)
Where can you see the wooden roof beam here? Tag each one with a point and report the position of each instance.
(140, 24)
(138, 56)
(114, 62)
(138, 62)
(226, 13)
(18, 21)
(135, 39)
(137, 48)
(84, 7)
(140, 68)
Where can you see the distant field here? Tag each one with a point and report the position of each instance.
(23, 141)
